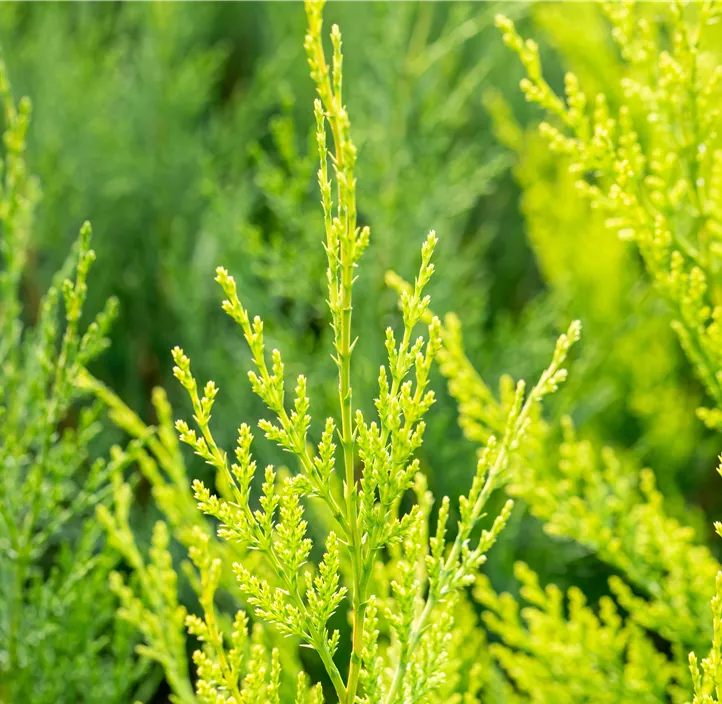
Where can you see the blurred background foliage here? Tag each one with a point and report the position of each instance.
(183, 132)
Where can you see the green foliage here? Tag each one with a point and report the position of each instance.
(596, 499)
(557, 651)
(210, 162)
(337, 577)
(53, 646)
(366, 512)
(649, 168)
(630, 365)
(265, 231)
(152, 598)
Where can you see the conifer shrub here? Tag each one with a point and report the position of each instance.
(340, 566)
(263, 216)
(53, 563)
(646, 166)
(209, 161)
(631, 363)
(400, 582)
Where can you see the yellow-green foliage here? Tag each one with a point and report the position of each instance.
(707, 675)
(630, 362)
(150, 598)
(650, 166)
(631, 366)
(366, 513)
(556, 649)
(648, 170)
(612, 507)
(632, 153)
(601, 500)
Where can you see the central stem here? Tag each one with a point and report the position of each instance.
(329, 85)
(345, 395)
(348, 444)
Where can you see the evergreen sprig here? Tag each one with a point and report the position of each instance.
(366, 509)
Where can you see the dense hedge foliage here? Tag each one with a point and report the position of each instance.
(323, 566)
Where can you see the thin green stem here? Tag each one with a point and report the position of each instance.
(332, 670)
(347, 444)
